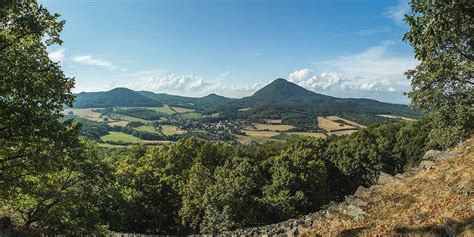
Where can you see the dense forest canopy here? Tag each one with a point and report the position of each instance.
(54, 181)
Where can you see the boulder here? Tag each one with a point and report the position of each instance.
(446, 155)
(427, 165)
(431, 155)
(400, 176)
(351, 210)
(352, 200)
(385, 178)
(302, 229)
(362, 192)
(293, 232)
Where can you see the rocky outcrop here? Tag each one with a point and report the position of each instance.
(353, 206)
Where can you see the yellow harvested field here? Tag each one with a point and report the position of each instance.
(272, 127)
(307, 134)
(118, 124)
(84, 113)
(330, 125)
(244, 140)
(182, 110)
(254, 133)
(396, 117)
(273, 121)
(335, 118)
(169, 130)
(343, 132)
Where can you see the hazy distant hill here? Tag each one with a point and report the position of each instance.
(118, 97)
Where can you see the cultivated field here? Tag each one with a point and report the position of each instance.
(182, 110)
(329, 125)
(272, 127)
(119, 136)
(166, 109)
(254, 133)
(85, 113)
(146, 128)
(191, 115)
(169, 130)
(342, 132)
(118, 123)
(335, 118)
(307, 134)
(130, 118)
(396, 117)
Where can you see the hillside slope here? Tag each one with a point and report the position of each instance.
(118, 97)
(438, 199)
(434, 199)
(288, 101)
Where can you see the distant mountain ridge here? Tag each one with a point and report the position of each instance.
(279, 99)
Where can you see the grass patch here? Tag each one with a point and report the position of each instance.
(166, 109)
(273, 127)
(119, 136)
(118, 123)
(132, 119)
(251, 133)
(182, 110)
(308, 134)
(84, 113)
(146, 128)
(169, 130)
(192, 115)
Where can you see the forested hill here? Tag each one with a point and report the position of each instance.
(293, 103)
(279, 99)
(118, 97)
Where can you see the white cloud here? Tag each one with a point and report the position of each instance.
(57, 55)
(397, 13)
(89, 60)
(373, 64)
(308, 79)
(172, 83)
(375, 69)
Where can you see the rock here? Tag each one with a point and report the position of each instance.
(308, 221)
(359, 218)
(374, 187)
(351, 200)
(431, 155)
(351, 210)
(293, 232)
(385, 178)
(447, 155)
(400, 176)
(362, 192)
(427, 165)
(302, 229)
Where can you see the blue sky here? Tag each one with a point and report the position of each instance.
(350, 48)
